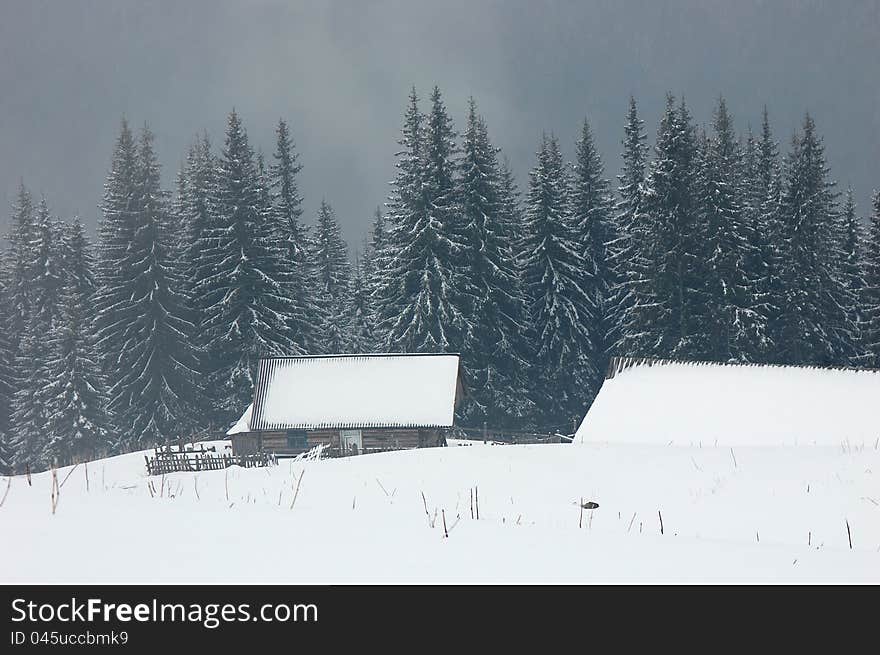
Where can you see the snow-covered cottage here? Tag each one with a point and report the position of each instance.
(357, 403)
(701, 403)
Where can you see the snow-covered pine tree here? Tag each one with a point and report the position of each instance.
(493, 355)
(675, 316)
(512, 213)
(359, 336)
(305, 317)
(420, 300)
(375, 260)
(7, 386)
(633, 298)
(378, 233)
(734, 321)
(853, 273)
(769, 236)
(75, 398)
(871, 290)
(18, 260)
(592, 211)
(197, 212)
(115, 233)
(816, 328)
(330, 257)
(144, 324)
(30, 412)
(244, 279)
(555, 276)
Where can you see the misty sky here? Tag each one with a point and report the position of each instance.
(340, 71)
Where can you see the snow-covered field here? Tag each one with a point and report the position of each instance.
(745, 514)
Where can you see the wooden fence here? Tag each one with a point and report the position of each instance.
(167, 460)
(510, 437)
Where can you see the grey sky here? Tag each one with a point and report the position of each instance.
(340, 71)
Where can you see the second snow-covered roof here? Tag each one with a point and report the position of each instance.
(355, 391)
(663, 402)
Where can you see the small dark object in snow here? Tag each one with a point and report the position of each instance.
(590, 505)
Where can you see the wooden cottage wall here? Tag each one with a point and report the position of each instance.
(275, 441)
(246, 443)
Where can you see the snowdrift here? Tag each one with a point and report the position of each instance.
(761, 514)
(665, 402)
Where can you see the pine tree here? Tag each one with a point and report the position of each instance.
(143, 330)
(305, 318)
(30, 412)
(815, 329)
(373, 260)
(734, 320)
(115, 233)
(673, 320)
(7, 388)
(853, 278)
(769, 236)
(75, 398)
(330, 253)
(359, 336)
(197, 213)
(330, 256)
(511, 213)
(592, 212)
(761, 184)
(630, 253)
(420, 298)
(18, 261)
(243, 279)
(871, 290)
(372, 253)
(494, 366)
(554, 275)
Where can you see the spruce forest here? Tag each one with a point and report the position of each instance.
(711, 244)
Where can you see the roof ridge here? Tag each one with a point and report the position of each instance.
(358, 356)
(619, 364)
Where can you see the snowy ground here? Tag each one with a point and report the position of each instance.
(741, 515)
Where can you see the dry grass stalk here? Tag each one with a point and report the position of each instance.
(581, 517)
(445, 531)
(631, 522)
(477, 501)
(848, 534)
(661, 521)
(6, 493)
(27, 472)
(431, 521)
(68, 475)
(196, 487)
(296, 491)
(87, 476)
(56, 490)
(735, 465)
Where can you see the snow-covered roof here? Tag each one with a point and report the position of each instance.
(353, 391)
(244, 423)
(658, 401)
